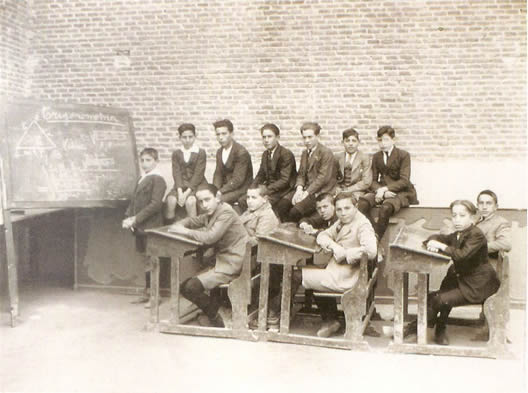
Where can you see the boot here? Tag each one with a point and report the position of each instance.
(410, 329)
(441, 334)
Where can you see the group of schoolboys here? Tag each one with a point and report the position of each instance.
(331, 196)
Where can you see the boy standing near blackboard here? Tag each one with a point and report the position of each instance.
(145, 209)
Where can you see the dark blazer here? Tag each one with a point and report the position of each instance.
(471, 269)
(147, 201)
(281, 176)
(396, 175)
(317, 173)
(225, 232)
(237, 173)
(188, 174)
(361, 173)
(318, 222)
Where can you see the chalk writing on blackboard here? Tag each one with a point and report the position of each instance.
(69, 153)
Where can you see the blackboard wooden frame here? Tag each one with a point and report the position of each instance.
(6, 156)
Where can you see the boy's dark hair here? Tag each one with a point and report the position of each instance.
(263, 190)
(270, 126)
(223, 123)
(325, 195)
(350, 132)
(187, 127)
(316, 128)
(386, 130)
(346, 195)
(150, 151)
(470, 207)
(207, 187)
(490, 193)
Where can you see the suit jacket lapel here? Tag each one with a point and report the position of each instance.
(393, 157)
(356, 162)
(275, 158)
(313, 158)
(342, 161)
(229, 162)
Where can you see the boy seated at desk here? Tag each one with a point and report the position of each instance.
(145, 209)
(220, 227)
(348, 239)
(324, 216)
(259, 219)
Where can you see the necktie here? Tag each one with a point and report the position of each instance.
(386, 157)
(268, 162)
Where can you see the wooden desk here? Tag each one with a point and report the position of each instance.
(407, 255)
(162, 243)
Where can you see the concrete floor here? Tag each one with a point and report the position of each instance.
(91, 341)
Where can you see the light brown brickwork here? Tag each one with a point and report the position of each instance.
(450, 75)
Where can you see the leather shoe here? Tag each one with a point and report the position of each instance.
(329, 328)
(141, 299)
(371, 332)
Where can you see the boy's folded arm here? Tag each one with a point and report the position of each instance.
(156, 201)
(502, 240)
(461, 255)
(217, 230)
(367, 240)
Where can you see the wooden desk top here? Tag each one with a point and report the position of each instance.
(411, 239)
(164, 231)
(293, 238)
(28, 214)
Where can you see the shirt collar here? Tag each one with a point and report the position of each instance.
(155, 171)
(194, 149)
(390, 151)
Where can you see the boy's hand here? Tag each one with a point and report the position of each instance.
(181, 197)
(129, 222)
(353, 254)
(307, 228)
(339, 252)
(298, 196)
(178, 228)
(219, 195)
(379, 194)
(389, 194)
(435, 246)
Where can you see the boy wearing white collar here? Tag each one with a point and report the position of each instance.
(144, 210)
(188, 169)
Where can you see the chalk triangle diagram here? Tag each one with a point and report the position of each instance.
(34, 138)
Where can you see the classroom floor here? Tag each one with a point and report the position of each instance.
(93, 341)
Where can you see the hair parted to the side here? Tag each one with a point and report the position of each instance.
(470, 207)
(262, 189)
(223, 123)
(350, 132)
(316, 128)
(186, 127)
(272, 127)
(346, 195)
(207, 187)
(325, 195)
(150, 151)
(490, 193)
(386, 130)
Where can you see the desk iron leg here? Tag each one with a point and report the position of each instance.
(175, 292)
(398, 307)
(422, 286)
(263, 296)
(286, 299)
(154, 291)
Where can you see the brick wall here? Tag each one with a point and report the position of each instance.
(450, 76)
(14, 46)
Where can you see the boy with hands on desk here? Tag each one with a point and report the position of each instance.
(348, 239)
(220, 227)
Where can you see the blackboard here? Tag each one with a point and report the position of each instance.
(60, 155)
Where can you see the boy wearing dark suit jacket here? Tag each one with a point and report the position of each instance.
(317, 174)
(220, 227)
(277, 170)
(391, 187)
(188, 168)
(144, 210)
(354, 168)
(234, 170)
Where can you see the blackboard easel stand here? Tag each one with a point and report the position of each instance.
(12, 264)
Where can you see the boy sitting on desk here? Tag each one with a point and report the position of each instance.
(220, 227)
(348, 239)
